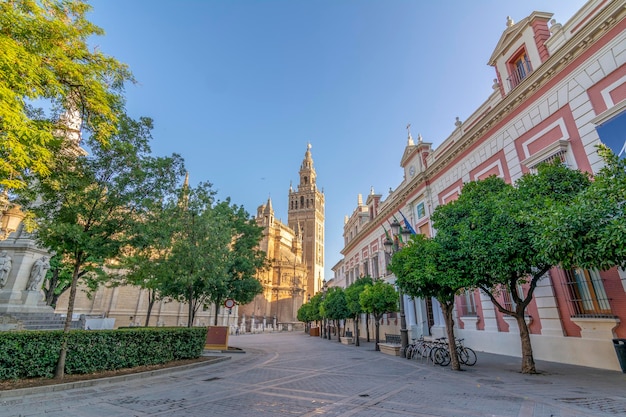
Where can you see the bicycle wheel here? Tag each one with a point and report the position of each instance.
(442, 357)
(423, 351)
(462, 355)
(471, 356)
(409, 351)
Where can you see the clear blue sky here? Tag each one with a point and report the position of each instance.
(239, 88)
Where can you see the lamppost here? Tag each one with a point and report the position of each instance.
(392, 247)
(325, 332)
(10, 216)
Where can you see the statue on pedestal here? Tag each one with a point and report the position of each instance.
(5, 267)
(38, 272)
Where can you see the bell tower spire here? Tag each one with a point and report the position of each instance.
(306, 216)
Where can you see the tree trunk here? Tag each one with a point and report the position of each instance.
(49, 292)
(338, 331)
(367, 327)
(60, 369)
(190, 309)
(217, 310)
(356, 330)
(151, 300)
(448, 310)
(528, 362)
(377, 331)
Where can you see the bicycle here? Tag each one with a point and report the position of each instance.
(467, 356)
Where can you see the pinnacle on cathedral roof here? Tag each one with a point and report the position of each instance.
(268, 206)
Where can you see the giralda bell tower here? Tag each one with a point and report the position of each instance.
(306, 217)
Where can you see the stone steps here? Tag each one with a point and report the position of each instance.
(43, 321)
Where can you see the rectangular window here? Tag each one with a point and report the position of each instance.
(559, 156)
(586, 292)
(375, 267)
(468, 305)
(507, 297)
(519, 68)
(420, 210)
(366, 269)
(611, 133)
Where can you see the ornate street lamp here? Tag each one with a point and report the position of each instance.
(392, 247)
(10, 216)
(325, 331)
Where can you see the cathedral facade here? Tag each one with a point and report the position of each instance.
(296, 254)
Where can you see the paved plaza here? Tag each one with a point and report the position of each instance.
(292, 374)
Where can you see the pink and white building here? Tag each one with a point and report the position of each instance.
(559, 90)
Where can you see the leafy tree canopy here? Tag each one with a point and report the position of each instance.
(379, 298)
(590, 231)
(44, 58)
(353, 293)
(334, 305)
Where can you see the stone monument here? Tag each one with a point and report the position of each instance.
(23, 267)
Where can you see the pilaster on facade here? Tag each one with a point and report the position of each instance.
(549, 316)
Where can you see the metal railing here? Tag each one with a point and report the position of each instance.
(521, 71)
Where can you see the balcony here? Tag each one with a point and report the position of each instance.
(519, 71)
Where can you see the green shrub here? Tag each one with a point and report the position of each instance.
(29, 354)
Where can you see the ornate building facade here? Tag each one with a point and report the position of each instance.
(296, 254)
(557, 89)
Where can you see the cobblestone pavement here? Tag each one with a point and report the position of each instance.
(292, 374)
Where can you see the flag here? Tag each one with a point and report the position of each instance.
(386, 233)
(407, 224)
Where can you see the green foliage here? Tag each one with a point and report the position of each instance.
(379, 298)
(589, 231)
(44, 56)
(89, 205)
(335, 306)
(30, 354)
(304, 313)
(429, 267)
(491, 233)
(215, 251)
(353, 293)
(58, 280)
(316, 304)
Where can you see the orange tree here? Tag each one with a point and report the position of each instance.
(335, 307)
(378, 299)
(590, 231)
(497, 236)
(353, 292)
(427, 268)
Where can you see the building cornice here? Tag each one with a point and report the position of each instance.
(554, 65)
(600, 24)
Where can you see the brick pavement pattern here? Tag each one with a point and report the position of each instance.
(292, 374)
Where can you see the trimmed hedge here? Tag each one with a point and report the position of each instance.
(30, 354)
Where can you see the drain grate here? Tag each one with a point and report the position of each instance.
(212, 379)
(606, 405)
(364, 395)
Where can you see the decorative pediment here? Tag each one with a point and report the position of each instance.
(408, 154)
(513, 32)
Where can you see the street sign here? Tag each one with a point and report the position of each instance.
(230, 303)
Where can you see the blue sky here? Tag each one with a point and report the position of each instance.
(239, 87)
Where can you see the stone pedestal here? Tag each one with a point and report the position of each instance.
(14, 295)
